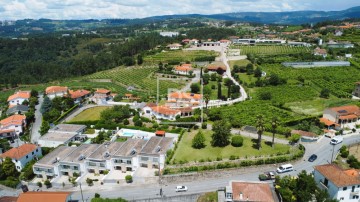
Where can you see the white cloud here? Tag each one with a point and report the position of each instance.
(100, 9)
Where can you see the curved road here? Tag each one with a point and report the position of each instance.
(323, 149)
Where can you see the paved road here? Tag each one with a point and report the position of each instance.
(196, 79)
(35, 135)
(323, 149)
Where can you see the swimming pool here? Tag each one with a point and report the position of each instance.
(128, 134)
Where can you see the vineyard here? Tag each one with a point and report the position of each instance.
(272, 50)
(339, 80)
(87, 84)
(142, 78)
(180, 56)
(245, 112)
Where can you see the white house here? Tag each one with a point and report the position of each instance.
(18, 98)
(56, 91)
(79, 95)
(62, 134)
(162, 112)
(174, 46)
(101, 96)
(341, 116)
(183, 69)
(16, 122)
(20, 156)
(169, 34)
(343, 185)
(320, 51)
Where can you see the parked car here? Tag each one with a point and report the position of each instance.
(312, 158)
(285, 168)
(181, 188)
(267, 176)
(336, 140)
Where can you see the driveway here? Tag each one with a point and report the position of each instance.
(35, 135)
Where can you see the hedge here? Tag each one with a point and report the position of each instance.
(66, 113)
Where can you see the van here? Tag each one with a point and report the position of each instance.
(336, 140)
(285, 168)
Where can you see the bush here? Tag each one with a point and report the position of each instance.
(128, 178)
(237, 141)
(126, 122)
(97, 195)
(204, 125)
(89, 181)
(76, 175)
(39, 184)
(47, 183)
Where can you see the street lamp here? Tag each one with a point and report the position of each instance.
(332, 155)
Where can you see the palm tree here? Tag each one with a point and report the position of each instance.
(274, 125)
(260, 126)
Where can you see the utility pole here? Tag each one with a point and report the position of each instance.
(161, 191)
(82, 196)
(332, 155)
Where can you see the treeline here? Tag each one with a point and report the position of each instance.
(210, 33)
(46, 58)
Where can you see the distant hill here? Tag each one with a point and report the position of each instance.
(294, 17)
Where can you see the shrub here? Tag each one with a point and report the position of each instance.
(204, 125)
(106, 172)
(237, 141)
(198, 142)
(128, 178)
(39, 184)
(47, 183)
(126, 122)
(76, 175)
(97, 195)
(89, 181)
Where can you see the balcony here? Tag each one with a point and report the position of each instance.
(323, 185)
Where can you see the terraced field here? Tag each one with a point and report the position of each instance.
(179, 55)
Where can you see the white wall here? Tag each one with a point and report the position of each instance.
(17, 101)
(48, 143)
(329, 114)
(20, 164)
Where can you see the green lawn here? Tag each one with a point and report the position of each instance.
(241, 63)
(224, 90)
(121, 139)
(208, 197)
(91, 114)
(186, 153)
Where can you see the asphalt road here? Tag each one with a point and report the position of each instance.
(323, 149)
(35, 135)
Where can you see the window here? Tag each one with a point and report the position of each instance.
(37, 150)
(345, 188)
(355, 197)
(326, 181)
(341, 198)
(27, 156)
(144, 158)
(76, 168)
(128, 161)
(17, 167)
(92, 164)
(32, 153)
(16, 160)
(155, 160)
(353, 189)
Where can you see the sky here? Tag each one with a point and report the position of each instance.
(103, 9)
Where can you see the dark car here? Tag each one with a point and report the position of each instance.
(312, 158)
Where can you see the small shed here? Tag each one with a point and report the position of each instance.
(160, 133)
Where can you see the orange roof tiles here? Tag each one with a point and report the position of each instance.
(15, 119)
(327, 122)
(160, 132)
(350, 109)
(20, 94)
(78, 93)
(7, 131)
(350, 116)
(165, 110)
(19, 152)
(43, 196)
(303, 133)
(102, 91)
(338, 176)
(182, 95)
(251, 191)
(183, 68)
(128, 95)
(216, 66)
(56, 89)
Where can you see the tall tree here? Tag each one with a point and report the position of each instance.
(260, 127)
(228, 82)
(198, 141)
(46, 105)
(219, 93)
(45, 126)
(221, 133)
(207, 93)
(274, 125)
(195, 88)
(9, 168)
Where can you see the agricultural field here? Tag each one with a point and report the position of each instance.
(245, 112)
(142, 78)
(339, 80)
(287, 93)
(186, 153)
(90, 84)
(178, 55)
(316, 107)
(272, 50)
(241, 63)
(91, 114)
(224, 89)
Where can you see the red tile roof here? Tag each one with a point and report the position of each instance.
(19, 152)
(7, 131)
(165, 110)
(303, 133)
(327, 122)
(160, 132)
(78, 93)
(20, 94)
(102, 91)
(338, 176)
(252, 191)
(347, 110)
(350, 116)
(56, 89)
(184, 68)
(43, 196)
(182, 95)
(216, 65)
(15, 119)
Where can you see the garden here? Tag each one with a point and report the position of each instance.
(91, 114)
(271, 50)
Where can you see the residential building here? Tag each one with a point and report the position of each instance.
(335, 116)
(18, 98)
(8, 199)
(210, 43)
(338, 33)
(249, 191)
(16, 122)
(341, 184)
(56, 91)
(320, 51)
(20, 156)
(48, 166)
(100, 160)
(79, 95)
(357, 89)
(218, 67)
(183, 69)
(131, 97)
(17, 109)
(101, 96)
(126, 157)
(44, 196)
(153, 153)
(8, 133)
(178, 100)
(174, 46)
(163, 112)
(147, 108)
(62, 134)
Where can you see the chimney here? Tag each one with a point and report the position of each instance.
(241, 196)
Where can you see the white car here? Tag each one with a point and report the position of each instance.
(181, 188)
